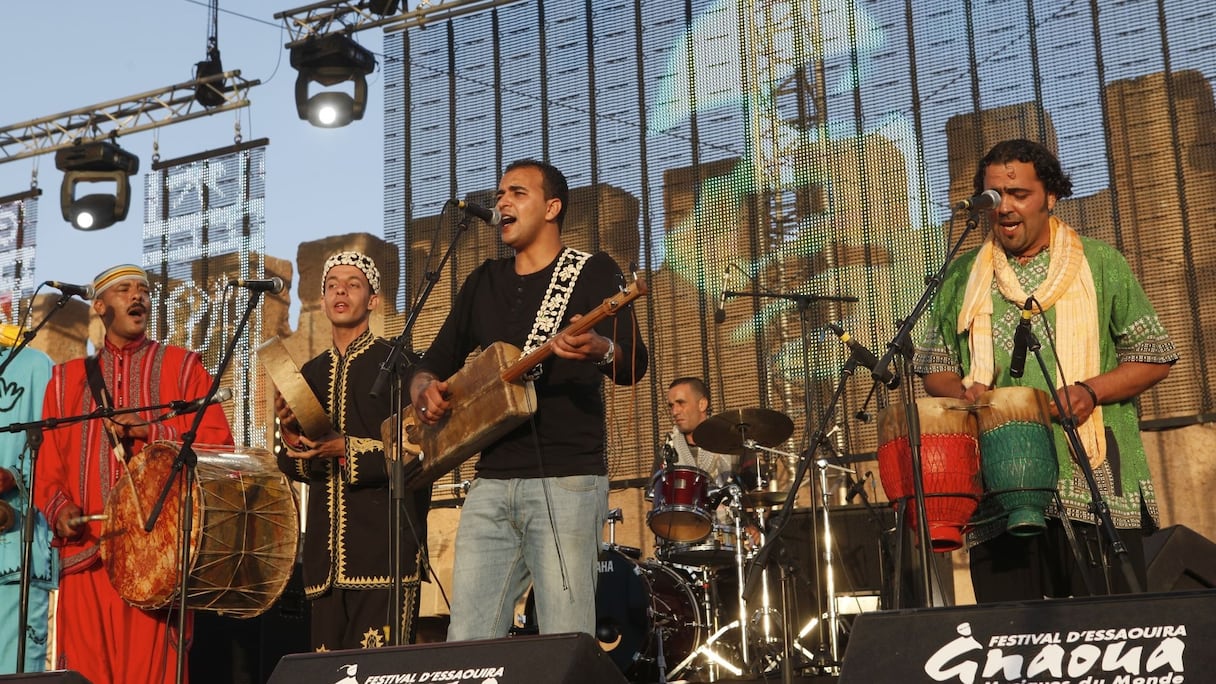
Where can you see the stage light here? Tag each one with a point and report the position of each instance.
(95, 163)
(329, 61)
(383, 7)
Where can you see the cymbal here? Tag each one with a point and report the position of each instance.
(725, 432)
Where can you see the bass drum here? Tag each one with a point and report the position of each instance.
(636, 604)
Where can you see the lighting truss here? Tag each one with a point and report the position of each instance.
(125, 116)
(320, 18)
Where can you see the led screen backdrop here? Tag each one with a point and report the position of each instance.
(204, 224)
(18, 243)
(807, 147)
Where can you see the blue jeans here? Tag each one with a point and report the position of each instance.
(505, 541)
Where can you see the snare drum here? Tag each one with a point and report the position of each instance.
(717, 549)
(681, 510)
(244, 530)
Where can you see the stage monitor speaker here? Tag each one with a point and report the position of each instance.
(56, 677)
(1142, 639)
(549, 658)
(1180, 559)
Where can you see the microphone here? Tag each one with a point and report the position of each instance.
(490, 215)
(985, 200)
(858, 487)
(273, 285)
(1021, 341)
(82, 291)
(720, 310)
(864, 356)
(669, 455)
(182, 407)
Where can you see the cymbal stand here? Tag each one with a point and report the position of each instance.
(736, 509)
(766, 609)
(828, 554)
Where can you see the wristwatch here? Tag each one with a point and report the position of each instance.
(608, 355)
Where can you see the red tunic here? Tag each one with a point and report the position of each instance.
(98, 634)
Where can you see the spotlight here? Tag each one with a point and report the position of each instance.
(383, 7)
(209, 94)
(331, 60)
(96, 162)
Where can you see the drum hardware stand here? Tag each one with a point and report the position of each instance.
(734, 494)
(828, 556)
(187, 459)
(760, 559)
(396, 367)
(715, 658)
(1098, 505)
(33, 440)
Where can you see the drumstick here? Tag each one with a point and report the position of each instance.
(82, 519)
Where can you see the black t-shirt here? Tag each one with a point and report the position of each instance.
(495, 304)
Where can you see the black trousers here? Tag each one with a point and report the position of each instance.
(1010, 568)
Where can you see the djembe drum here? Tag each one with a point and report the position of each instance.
(950, 465)
(1018, 455)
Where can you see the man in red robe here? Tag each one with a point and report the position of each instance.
(99, 635)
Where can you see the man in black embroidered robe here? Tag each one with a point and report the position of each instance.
(347, 573)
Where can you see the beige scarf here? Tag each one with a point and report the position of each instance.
(1069, 287)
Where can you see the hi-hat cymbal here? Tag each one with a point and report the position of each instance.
(725, 432)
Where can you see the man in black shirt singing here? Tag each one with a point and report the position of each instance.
(535, 511)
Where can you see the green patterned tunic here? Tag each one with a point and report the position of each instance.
(1132, 333)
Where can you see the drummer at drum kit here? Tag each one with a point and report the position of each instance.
(712, 487)
(98, 633)
(688, 400)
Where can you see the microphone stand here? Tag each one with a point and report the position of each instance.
(33, 441)
(187, 459)
(394, 367)
(901, 344)
(1098, 505)
(778, 523)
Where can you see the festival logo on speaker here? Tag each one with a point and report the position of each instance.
(473, 675)
(1146, 654)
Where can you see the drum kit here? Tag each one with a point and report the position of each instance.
(684, 615)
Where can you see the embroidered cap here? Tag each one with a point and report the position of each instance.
(360, 261)
(116, 274)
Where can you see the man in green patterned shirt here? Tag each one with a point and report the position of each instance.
(1110, 347)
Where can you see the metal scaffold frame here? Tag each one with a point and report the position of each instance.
(109, 120)
(348, 16)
